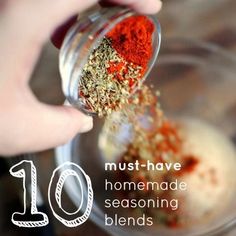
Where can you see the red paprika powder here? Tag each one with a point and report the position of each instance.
(132, 39)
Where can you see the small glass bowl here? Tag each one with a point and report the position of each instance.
(86, 35)
(196, 80)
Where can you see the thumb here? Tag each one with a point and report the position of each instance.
(56, 125)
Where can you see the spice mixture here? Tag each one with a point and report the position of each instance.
(116, 67)
(141, 132)
(112, 74)
(159, 140)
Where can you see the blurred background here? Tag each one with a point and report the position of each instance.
(211, 21)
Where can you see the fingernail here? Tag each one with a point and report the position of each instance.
(87, 124)
(161, 3)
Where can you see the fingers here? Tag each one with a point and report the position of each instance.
(56, 125)
(28, 125)
(40, 18)
(25, 26)
(142, 6)
(63, 9)
(45, 127)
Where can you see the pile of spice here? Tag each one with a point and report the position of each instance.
(154, 138)
(116, 67)
(159, 140)
(141, 132)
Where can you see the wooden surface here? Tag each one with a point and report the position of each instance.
(209, 20)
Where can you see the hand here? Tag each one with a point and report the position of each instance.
(26, 125)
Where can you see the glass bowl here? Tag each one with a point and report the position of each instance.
(85, 36)
(197, 83)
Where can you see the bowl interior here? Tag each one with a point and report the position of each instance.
(197, 83)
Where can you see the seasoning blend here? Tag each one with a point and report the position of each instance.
(116, 67)
(141, 132)
(106, 57)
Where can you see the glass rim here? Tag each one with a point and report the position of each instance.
(100, 29)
